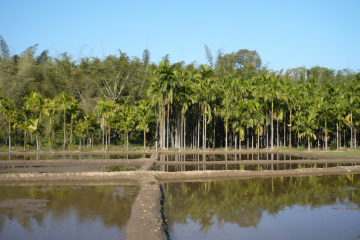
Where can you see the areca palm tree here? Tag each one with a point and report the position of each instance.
(272, 92)
(127, 119)
(80, 130)
(206, 90)
(36, 103)
(27, 127)
(308, 125)
(72, 109)
(64, 100)
(50, 110)
(144, 116)
(10, 111)
(105, 109)
(165, 77)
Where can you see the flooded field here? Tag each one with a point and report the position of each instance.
(65, 212)
(68, 168)
(231, 157)
(70, 157)
(317, 207)
(249, 167)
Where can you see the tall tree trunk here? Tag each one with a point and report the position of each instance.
(9, 136)
(239, 141)
(64, 131)
(184, 131)
(103, 133)
(351, 131)
(198, 133)
(127, 141)
(71, 130)
(272, 126)
(277, 131)
(258, 140)
(337, 136)
(167, 129)
(252, 138)
(247, 138)
(214, 141)
(326, 136)
(144, 140)
(226, 136)
(284, 119)
(25, 141)
(308, 144)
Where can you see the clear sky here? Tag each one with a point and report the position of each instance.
(286, 34)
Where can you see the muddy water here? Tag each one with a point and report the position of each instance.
(65, 212)
(66, 168)
(69, 157)
(231, 157)
(318, 207)
(249, 167)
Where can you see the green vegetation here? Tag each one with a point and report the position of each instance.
(232, 102)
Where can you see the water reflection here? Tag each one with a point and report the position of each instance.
(249, 167)
(75, 157)
(254, 208)
(65, 212)
(231, 157)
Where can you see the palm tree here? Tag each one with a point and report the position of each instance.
(72, 109)
(164, 74)
(64, 100)
(127, 119)
(50, 109)
(206, 91)
(80, 130)
(27, 127)
(36, 103)
(9, 110)
(308, 125)
(272, 93)
(105, 108)
(144, 117)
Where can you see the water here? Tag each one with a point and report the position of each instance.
(317, 207)
(231, 157)
(249, 167)
(65, 212)
(66, 168)
(75, 157)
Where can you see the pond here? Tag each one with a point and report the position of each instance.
(66, 168)
(249, 167)
(231, 157)
(316, 207)
(65, 212)
(69, 157)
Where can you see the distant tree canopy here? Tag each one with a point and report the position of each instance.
(234, 99)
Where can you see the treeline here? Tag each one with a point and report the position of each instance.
(234, 101)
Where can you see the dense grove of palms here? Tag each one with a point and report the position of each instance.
(233, 102)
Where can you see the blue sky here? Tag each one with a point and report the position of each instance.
(286, 34)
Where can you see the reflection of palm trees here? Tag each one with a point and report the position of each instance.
(110, 204)
(243, 202)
